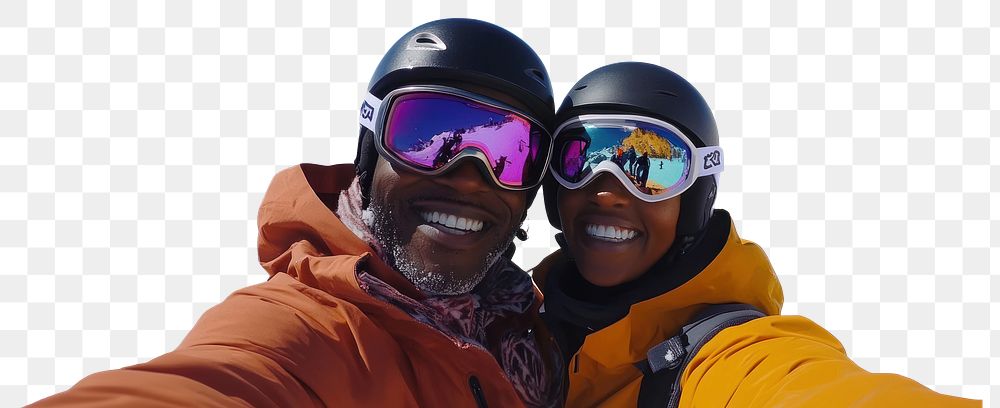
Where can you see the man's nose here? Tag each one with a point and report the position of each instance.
(608, 192)
(465, 178)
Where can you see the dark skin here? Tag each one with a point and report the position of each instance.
(435, 258)
(605, 261)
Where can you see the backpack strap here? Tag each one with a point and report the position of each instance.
(665, 362)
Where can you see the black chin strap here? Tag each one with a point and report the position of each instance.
(561, 240)
(364, 165)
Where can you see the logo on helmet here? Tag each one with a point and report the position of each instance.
(367, 111)
(713, 159)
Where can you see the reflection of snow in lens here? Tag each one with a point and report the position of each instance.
(502, 142)
(624, 143)
(428, 130)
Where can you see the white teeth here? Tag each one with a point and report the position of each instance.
(610, 232)
(453, 221)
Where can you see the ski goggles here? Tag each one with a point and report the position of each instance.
(428, 129)
(653, 159)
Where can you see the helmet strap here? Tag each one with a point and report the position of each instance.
(364, 165)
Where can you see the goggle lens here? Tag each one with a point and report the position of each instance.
(655, 159)
(427, 130)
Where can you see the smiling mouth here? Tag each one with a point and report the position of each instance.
(610, 233)
(452, 223)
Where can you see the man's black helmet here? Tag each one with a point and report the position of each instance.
(649, 90)
(453, 52)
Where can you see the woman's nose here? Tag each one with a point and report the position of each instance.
(607, 191)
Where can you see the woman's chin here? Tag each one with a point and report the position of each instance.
(606, 275)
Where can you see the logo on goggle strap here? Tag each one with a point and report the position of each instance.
(367, 111)
(713, 159)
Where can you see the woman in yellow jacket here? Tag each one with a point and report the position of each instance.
(654, 299)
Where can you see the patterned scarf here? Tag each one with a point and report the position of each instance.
(506, 291)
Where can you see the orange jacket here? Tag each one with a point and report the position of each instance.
(774, 361)
(309, 336)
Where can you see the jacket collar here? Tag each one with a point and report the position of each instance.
(297, 227)
(733, 270)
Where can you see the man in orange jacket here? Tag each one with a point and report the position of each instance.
(391, 281)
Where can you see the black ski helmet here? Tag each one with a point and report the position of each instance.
(457, 51)
(649, 90)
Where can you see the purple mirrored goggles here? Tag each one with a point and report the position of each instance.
(428, 129)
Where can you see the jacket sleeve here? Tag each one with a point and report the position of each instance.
(790, 361)
(277, 344)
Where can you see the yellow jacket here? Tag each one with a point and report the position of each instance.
(773, 361)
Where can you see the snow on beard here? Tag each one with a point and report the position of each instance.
(379, 219)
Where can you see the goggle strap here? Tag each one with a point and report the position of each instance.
(368, 113)
(710, 160)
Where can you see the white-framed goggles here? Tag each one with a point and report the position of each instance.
(653, 159)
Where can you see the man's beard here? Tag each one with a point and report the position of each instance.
(425, 275)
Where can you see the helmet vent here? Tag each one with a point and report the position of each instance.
(426, 41)
(667, 93)
(536, 74)
(580, 88)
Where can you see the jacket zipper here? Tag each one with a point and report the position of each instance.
(477, 392)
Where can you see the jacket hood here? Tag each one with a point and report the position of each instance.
(301, 235)
(739, 273)
(298, 230)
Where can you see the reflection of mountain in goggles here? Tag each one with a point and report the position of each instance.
(429, 128)
(654, 160)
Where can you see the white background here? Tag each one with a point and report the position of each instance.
(136, 141)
